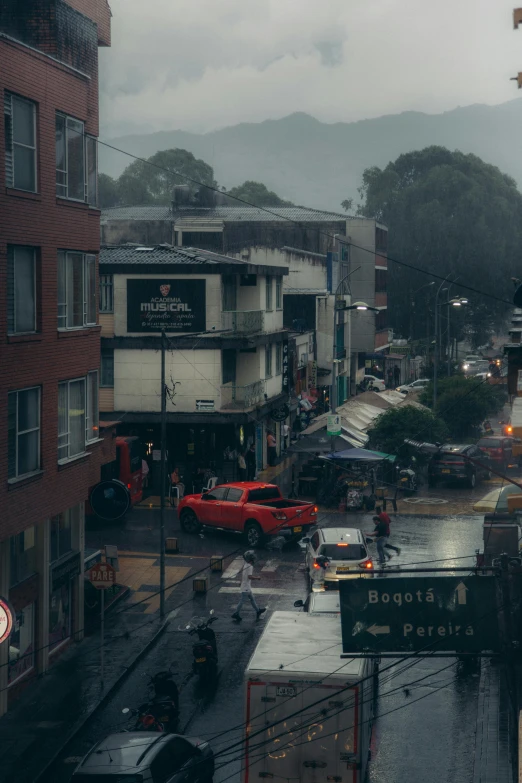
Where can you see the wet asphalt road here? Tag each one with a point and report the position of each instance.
(426, 710)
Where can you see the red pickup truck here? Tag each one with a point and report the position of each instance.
(257, 510)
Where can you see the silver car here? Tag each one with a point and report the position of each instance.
(345, 552)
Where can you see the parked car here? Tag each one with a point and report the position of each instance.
(147, 757)
(417, 385)
(346, 554)
(250, 507)
(470, 360)
(451, 464)
(499, 450)
(372, 380)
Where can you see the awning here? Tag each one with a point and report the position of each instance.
(359, 455)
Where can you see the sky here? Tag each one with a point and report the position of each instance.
(198, 65)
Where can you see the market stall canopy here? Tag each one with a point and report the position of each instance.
(360, 455)
(496, 500)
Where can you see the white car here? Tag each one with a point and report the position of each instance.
(345, 551)
(417, 385)
(372, 380)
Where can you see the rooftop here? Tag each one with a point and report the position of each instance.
(163, 254)
(239, 214)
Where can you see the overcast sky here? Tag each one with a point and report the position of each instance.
(204, 64)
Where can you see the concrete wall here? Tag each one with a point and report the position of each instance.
(362, 281)
(306, 270)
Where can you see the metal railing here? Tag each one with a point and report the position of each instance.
(243, 320)
(234, 396)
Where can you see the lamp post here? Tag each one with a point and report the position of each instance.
(456, 302)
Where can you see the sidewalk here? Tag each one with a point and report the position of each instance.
(493, 759)
(51, 710)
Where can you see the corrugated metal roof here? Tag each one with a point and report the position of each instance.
(162, 254)
(239, 214)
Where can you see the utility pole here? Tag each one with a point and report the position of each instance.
(163, 474)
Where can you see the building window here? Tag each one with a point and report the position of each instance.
(107, 369)
(381, 278)
(106, 294)
(22, 556)
(279, 359)
(76, 161)
(92, 428)
(60, 615)
(21, 645)
(21, 289)
(76, 290)
(381, 321)
(268, 293)
(20, 143)
(279, 293)
(268, 361)
(61, 533)
(23, 450)
(71, 418)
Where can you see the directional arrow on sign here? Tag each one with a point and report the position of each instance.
(461, 591)
(376, 629)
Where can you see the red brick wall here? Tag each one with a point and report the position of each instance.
(48, 223)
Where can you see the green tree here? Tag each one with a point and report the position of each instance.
(258, 194)
(455, 215)
(407, 421)
(107, 191)
(151, 181)
(464, 403)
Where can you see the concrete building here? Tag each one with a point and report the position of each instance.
(50, 341)
(319, 249)
(226, 357)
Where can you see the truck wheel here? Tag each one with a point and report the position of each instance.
(253, 534)
(472, 481)
(189, 521)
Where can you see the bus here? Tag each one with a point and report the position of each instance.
(126, 467)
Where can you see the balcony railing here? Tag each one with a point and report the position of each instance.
(241, 397)
(245, 321)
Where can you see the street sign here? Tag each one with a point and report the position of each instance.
(410, 614)
(333, 424)
(111, 556)
(7, 616)
(102, 575)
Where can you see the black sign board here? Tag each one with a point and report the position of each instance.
(411, 614)
(286, 369)
(280, 414)
(64, 572)
(110, 499)
(172, 305)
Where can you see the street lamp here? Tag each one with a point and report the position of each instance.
(455, 302)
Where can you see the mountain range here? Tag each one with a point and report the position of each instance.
(314, 163)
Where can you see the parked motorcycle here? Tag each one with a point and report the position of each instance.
(408, 481)
(204, 651)
(161, 713)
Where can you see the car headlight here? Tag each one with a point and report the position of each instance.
(465, 366)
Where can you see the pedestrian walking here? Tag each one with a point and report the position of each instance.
(241, 466)
(383, 516)
(250, 459)
(272, 450)
(379, 534)
(286, 435)
(247, 577)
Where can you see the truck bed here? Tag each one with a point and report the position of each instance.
(282, 503)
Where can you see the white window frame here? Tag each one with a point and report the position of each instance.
(10, 173)
(92, 408)
(11, 262)
(62, 189)
(64, 307)
(279, 293)
(268, 361)
(65, 434)
(268, 294)
(279, 359)
(18, 434)
(106, 293)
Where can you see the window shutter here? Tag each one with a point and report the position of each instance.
(8, 123)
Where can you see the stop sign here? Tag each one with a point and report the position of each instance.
(102, 575)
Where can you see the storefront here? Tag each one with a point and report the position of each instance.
(65, 567)
(22, 645)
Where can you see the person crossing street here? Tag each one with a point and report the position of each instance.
(384, 517)
(247, 577)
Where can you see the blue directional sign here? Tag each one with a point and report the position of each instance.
(411, 614)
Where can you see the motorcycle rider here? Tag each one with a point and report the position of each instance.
(247, 576)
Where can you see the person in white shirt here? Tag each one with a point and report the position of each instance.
(286, 435)
(247, 576)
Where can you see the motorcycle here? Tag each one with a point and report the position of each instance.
(161, 713)
(204, 650)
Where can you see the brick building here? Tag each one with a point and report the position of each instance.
(50, 342)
